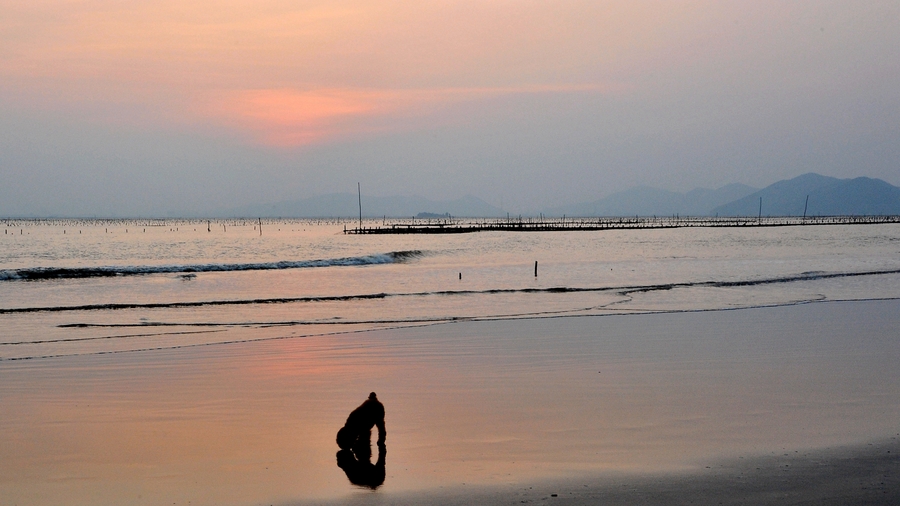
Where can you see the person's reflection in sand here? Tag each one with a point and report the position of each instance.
(355, 440)
(357, 465)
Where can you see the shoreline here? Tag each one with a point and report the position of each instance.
(627, 409)
(854, 474)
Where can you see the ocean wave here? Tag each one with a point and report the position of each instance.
(42, 273)
(622, 290)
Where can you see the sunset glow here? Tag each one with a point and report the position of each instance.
(291, 118)
(577, 98)
(296, 74)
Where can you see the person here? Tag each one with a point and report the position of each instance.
(358, 428)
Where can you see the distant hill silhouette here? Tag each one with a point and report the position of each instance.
(828, 196)
(345, 205)
(648, 201)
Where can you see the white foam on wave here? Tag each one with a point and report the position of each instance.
(40, 273)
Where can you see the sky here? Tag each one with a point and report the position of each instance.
(173, 108)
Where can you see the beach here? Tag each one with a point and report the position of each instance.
(618, 409)
(318, 253)
(865, 474)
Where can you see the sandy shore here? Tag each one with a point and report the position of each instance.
(681, 408)
(858, 475)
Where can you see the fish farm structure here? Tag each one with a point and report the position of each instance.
(462, 226)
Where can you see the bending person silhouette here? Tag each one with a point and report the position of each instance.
(355, 440)
(360, 422)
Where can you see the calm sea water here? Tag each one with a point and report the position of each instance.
(82, 287)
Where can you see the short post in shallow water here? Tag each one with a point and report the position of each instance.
(535, 268)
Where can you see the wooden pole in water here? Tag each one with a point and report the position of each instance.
(260, 226)
(535, 268)
(759, 218)
(359, 196)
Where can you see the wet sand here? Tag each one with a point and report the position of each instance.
(650, 409)
(858, 475)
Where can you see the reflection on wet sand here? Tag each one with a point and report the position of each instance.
(357, 465)
(355, 441)
(508, 402)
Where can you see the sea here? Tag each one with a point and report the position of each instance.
(151, 361)
(74, 287)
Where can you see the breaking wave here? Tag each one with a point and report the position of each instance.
(42, 273)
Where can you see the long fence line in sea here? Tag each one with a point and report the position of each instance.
(462, 226)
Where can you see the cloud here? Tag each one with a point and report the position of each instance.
(532, 100)
(291, 118)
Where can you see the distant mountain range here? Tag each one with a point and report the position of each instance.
(648, 201)
(346, 205)
(827, 196)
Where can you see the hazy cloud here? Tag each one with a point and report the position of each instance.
(134, 108)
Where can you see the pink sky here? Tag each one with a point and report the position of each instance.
(292, 73)
(527, 102)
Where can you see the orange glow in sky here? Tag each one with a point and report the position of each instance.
(290, 74)
(526, 104)
(286, 117)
